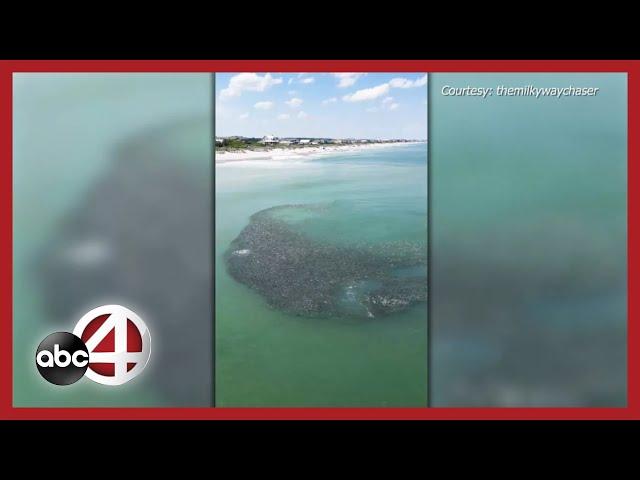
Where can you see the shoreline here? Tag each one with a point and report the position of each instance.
(283, 153)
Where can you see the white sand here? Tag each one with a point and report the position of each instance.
(280, 153)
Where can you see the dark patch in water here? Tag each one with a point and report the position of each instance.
(141, 237)
(304, 276)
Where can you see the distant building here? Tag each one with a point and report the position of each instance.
(219, 141)
(269, 139)
(305, 142)
(285, 142)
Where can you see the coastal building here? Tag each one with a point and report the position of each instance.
(219, 141)
(269, 139)
(305, 141)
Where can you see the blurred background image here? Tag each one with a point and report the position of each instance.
(528, 230)
(112, 204)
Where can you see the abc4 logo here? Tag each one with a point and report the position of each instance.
(110, 344)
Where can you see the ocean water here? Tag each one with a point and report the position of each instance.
(109, 163)
(355, 212)
(528, 243)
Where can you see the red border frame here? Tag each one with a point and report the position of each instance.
(7, 68)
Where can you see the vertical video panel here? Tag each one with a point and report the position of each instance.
(112, 205)
(321, 239)
(528, 228)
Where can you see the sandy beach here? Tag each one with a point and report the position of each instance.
(284, 153)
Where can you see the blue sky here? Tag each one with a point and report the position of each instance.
(337, 105)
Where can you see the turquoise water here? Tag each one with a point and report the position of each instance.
(266, 356)
(67, 129)
(528, 230)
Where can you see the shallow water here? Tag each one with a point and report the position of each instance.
(267, 354)
(528, 244)
(108, 168)
(311, 260)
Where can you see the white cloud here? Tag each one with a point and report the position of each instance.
(301, 78)
(329, 100)
(401, 83)
(294, 102)
(284, 116)
(251, 82)
(367, 93)
(388, 104)
(347, 79)
(263, 105)
(244, 115)
(422, 81)
(406, 83)
(302, 114)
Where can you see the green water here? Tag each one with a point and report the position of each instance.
(66, 129)
(528, 231)
(266, 357)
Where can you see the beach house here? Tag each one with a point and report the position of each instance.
(269, 139)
